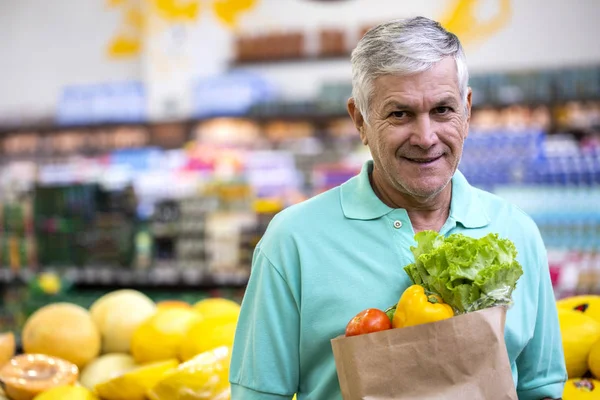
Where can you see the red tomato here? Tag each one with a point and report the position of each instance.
(367, 321)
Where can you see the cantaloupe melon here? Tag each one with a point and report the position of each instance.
(27, 375)
(8, 347)
(117, 315)
(62, 330)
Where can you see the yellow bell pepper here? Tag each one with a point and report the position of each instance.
(415, 308)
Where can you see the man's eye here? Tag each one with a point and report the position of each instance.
(398, 114)
(442, 110)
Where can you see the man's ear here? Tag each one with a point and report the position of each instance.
(468, 110)
(357, 118)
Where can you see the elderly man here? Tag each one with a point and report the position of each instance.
(324, 260)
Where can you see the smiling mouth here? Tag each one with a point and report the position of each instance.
(423, 161)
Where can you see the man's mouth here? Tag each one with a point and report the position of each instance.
(423, 160)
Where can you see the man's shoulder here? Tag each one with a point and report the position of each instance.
(318, 210)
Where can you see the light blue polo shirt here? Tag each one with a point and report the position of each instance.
(326, 259)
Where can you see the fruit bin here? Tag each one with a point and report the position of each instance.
(119, 345)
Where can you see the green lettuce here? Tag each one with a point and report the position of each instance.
(469, 274)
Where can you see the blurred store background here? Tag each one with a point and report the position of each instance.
(147, 143)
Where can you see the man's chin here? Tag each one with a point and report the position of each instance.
(425, 189)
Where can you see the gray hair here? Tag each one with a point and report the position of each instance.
(404, 47)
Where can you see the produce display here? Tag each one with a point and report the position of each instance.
(579, 318)
(125, 347)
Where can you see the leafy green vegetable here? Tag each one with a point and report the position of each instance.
(469, 274)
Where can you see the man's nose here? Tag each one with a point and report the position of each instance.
(423, 133)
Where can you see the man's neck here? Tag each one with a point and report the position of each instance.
(425, 213)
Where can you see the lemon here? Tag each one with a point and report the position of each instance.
(206, 334)
(204, 377)
(579, 333)
(160, 336)
(105, 368)
(67, 393)
(217, 307)
(134, 384)
(577, 389)
(587, 304)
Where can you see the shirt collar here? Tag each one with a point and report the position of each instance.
(359, 201)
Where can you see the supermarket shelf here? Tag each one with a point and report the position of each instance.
(309, 113)
(263, 113)
(113, 278)
(304, 59)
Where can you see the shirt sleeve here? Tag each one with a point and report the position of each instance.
(241, 392)
(541, 365)
(265, 359)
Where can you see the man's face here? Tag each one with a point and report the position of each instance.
(417, 128)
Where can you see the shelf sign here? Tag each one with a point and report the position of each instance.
(230, 95)
(102, 103)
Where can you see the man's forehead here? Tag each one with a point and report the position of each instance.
(390, 89)
(444, 71)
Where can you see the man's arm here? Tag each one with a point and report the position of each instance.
(541, 365)
(265, 359)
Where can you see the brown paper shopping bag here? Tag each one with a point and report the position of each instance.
(463, 357)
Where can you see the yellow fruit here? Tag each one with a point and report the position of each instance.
(106, 367)
(62, 330)
(173, 304)
(134, 385)
(579, 333)
(28, 375)
(206, 334)
(49, 283)
(217, 307)
(160, 336)
(587, 304)
(205, 377)
(576, 389)
(7, 347)
(67, 393)
(118, 314)
(594, 360)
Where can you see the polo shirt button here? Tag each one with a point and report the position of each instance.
(397, 224)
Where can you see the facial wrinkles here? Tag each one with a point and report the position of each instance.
(421, 133)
